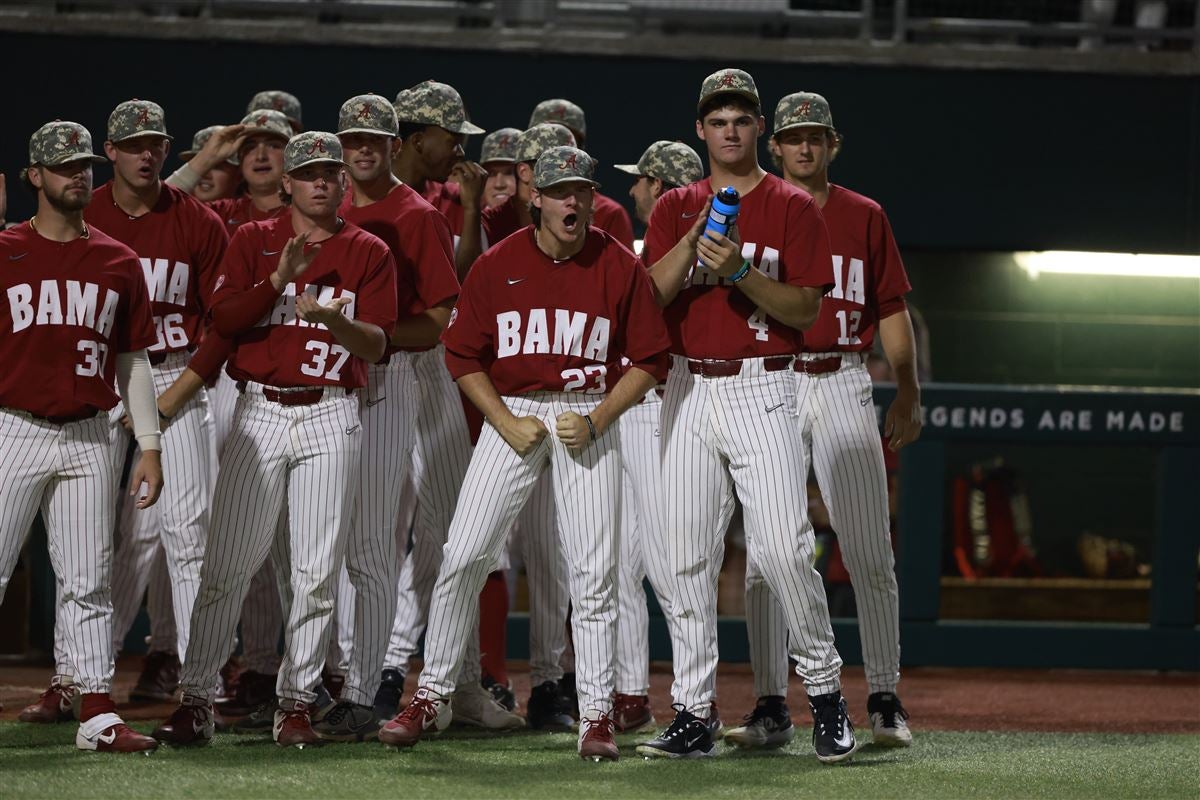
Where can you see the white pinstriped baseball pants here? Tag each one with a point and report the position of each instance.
(841, 437)
(176, 524)
(587, 499)
(68, 473)
(722, 435)
(367, 604)
(643, 546)
(310, 456)
(440, 459)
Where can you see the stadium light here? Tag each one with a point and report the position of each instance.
(1075, 262)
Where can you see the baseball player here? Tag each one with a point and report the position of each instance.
(277, 100)
(551, 705)
(664, 166)
(78, 323)
(180, 243)
(497, 157)
(307, 299)
(838, 427)
(608, 215)
(258, 141)
(728, 414)
(433, 131)
(419, 239)
(220, 181)
(528, 367)
(432, 122)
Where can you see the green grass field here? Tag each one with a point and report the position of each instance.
(42, 762)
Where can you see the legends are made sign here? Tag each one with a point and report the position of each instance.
(1082, 414)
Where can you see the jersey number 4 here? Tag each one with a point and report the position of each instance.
(322, 353)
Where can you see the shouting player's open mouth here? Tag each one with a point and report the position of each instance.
(569, 222)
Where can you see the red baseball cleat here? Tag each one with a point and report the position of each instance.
(54, 705)
(293, 725)
(427, 712)
(190, 724)
(108, 733)
(631, 713)
(596, 737)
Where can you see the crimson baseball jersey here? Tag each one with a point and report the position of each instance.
(237, 211)
(72, 306)
(536, 324)
(609, 215)
(869, 281)
(500, 222)
(419, 238)
(280, 349)
(446, 198)
(179, 243)
(782, 234)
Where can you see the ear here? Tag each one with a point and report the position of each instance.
(395, 150)
(773, 146)
(700, 129)
(656, 187)
(762, 125)
(536, 198)
(524, 173)
(110, 150)
(35, 177)
(166, 147)
(285, 183)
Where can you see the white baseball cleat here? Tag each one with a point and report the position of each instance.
(473, 705)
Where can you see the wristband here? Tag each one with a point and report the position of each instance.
(591, 425)
(163, 417)
(741, 273)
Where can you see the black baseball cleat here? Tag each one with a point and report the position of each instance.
(889, 720)
(768, 725)
(570, 696)
(547, 709)
(833, 735)
(502, 693)
(387, 696)
(688, 736)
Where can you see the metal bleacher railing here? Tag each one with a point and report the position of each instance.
(1158, 25)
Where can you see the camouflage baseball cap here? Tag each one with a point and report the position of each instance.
(368, 113)
(59, 142)
(564, 112)
(275, 100)
(734, 81)
(266, 121)
(202, 136)
(670, 162)
(433, 103)
(500, 146)
(540, 138)
(562, 164)
(311, 147)
(136, 118)
(803, 109)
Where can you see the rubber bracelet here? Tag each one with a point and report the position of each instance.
(164, 417)
(741, 273)
(591, 425)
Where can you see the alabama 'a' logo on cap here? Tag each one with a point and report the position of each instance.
(729, 80)
(504, 140)
(570, 163)
(364, 112)
(805, 107)
(143, 116)
(560, 111)
(277, 103)
(316, 146)
(73, 139)
(262, 121)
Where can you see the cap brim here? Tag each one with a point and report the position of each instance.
(802, 125)
(594, 184)
(160, 134)
(371, 131)
(312, 161)
(497, 161)
(742, 92)
(469, 129)
(92, 157)
(632, 169)
(266, 132)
